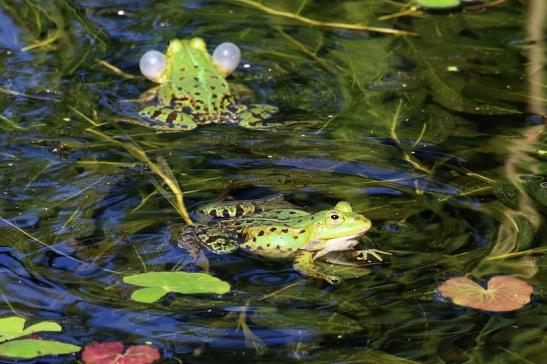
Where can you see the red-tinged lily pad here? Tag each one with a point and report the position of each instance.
(112, 353)
(502, 294)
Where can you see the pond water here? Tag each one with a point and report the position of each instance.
(432, 127)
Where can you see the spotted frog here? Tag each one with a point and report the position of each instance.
(193, 92)
(281, 233)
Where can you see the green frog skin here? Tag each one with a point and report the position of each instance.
(192, 91)
(282, 233)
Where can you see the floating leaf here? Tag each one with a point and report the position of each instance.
(140, 354)
(13, 327)
(102, 353)
(439, 4)
(32, 348)
(502, 294)
(149, 295)
(160, 283)
(112, 353)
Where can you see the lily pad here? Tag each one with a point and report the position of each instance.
(439, 4)
(112, 353)
(503, 293)
(13, 327)
(158, 284)
(32, 348)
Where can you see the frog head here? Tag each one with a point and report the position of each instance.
(336, 229)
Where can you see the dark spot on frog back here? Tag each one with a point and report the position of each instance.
(240, 211)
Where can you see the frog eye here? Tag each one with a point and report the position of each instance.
(152, 65)
(334, 218)
(227, 56)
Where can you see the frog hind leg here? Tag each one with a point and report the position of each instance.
(187, 240)
(166, 118)
(256, 116)
(215, 239)
(304, 264)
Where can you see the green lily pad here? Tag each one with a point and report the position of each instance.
(503, 293)
(13, 327)
(32, 348)
(439, 4)
(158, 284)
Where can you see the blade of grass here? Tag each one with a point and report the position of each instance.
(162, 171)
(318, 23)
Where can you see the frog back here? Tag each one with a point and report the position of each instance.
(274, 240)
(192, 78)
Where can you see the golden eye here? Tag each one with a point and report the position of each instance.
(334, 218)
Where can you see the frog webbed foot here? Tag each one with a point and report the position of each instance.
(256, 116)
(166, 118)
(363, 254)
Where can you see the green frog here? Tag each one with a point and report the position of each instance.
(281, 233)
(193, 91)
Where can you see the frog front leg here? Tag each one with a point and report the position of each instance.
(255, 116)
(304, 263)
(363, 254)
(167, 118)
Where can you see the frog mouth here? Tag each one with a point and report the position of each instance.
(336, 244)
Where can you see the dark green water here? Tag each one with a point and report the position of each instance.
(437, 137)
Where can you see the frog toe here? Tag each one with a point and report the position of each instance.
(333, 279)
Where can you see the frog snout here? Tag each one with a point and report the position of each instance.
(366, 222)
